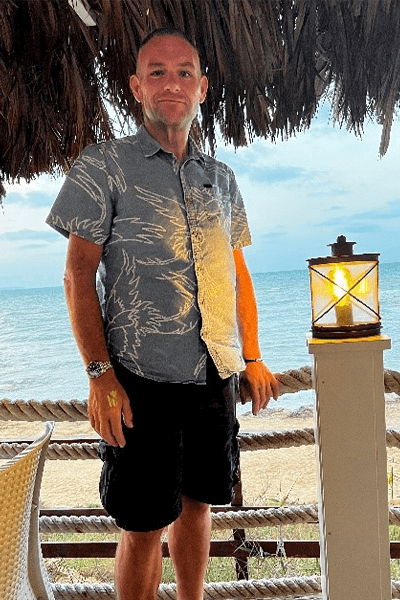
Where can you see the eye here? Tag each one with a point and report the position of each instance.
(185, 74)
(157, 73)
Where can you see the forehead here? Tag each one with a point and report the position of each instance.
(167, 48)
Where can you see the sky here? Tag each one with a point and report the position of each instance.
(300, 194)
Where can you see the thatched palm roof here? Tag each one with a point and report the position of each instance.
(270, 62)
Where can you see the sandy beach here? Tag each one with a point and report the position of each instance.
(287, 474)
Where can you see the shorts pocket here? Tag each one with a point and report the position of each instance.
(109, 477)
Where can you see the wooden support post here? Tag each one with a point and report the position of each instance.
(351, 453)
(239, 535)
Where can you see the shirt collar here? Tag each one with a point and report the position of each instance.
(150, 146)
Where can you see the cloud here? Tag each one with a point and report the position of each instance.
(32, 246)
(390, 211)
(374, 220)
(269, 174)
(40, 192)
(28, 234)
(35, 199)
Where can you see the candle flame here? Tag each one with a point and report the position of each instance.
(342, 282)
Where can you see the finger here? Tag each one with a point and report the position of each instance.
(275, 388)
(95, 424)
(107, 434)
(243, 390)
(256, 402)
(92, 422)
(265, 395)
(117, 433)
(243, 394)
(127, 414)
(265, 403)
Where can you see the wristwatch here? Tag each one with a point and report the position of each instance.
(249, 360)
(97, 368)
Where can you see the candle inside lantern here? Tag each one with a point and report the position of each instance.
(341, 283)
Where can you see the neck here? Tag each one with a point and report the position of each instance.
(172, 140)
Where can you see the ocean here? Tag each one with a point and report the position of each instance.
(39, 359)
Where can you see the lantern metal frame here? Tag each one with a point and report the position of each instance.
(353, 330)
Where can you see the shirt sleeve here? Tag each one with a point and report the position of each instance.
(84, 205)
(240, 232)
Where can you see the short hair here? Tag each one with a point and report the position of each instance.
(170, 30)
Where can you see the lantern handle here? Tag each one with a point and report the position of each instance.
(342, 247)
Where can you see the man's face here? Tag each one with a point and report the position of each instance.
(168, 82)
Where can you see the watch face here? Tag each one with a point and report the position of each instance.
(94, 369)
(97, 368)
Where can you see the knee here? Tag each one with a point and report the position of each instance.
(194, 507)
(134, 540)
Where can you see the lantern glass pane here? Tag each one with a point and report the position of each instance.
(345, 294)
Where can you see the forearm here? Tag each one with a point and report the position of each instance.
(257, 382)
(85, 316)
(247, 314)
(83, 259)
(107, 401)
(248, 325)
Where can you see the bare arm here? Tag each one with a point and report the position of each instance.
(107, 398)
(257, 381)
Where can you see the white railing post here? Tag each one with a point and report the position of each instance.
(351, 453)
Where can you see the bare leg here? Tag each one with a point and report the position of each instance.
(138, 565)
(189, 546)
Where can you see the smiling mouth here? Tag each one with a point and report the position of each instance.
(172, 100)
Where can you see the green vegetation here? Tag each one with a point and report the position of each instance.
(92, 570)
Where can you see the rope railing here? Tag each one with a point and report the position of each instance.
(241, 519)
(291, 381)
(249, 442)
(43, 410)
(64, 451)
(245, 589)
(303, 588)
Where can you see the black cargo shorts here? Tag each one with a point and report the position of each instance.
(183, 442)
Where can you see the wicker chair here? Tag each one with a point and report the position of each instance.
(23, 575)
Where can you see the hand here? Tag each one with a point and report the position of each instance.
(107, 404)
(258, 383)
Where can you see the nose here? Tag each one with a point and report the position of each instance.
(172, 83)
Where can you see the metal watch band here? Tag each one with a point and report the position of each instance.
(249, 360)
(97, 368)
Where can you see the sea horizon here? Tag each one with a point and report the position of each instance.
(253, 273)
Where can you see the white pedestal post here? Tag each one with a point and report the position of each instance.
(351, 453)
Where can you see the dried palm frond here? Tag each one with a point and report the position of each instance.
(269, 63)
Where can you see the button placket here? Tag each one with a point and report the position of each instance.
(197, 237)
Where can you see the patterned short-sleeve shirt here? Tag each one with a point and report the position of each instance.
(166, 279)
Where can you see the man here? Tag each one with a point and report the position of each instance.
(162, 225)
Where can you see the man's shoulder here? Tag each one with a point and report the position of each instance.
(213, 164)
(114, 150)
(112, 144)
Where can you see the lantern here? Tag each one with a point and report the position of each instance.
(344, 293)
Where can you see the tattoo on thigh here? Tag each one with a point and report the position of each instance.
(112, 399)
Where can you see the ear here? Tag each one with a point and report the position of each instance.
(136, 89)
(203, 88)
